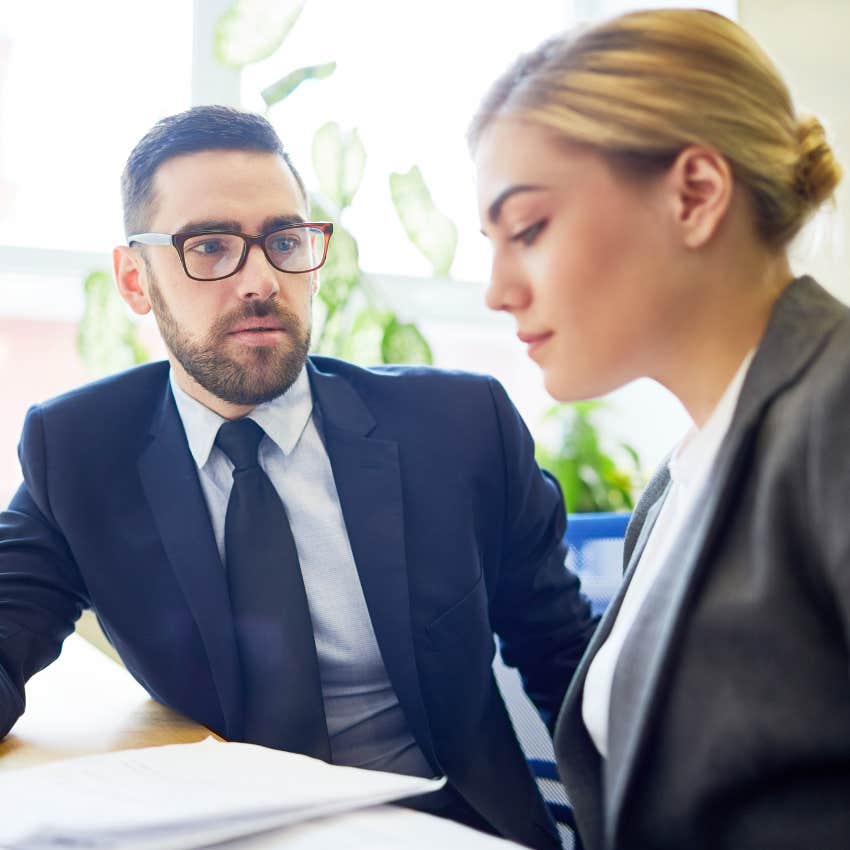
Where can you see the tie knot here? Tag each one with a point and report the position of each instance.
(240, 440)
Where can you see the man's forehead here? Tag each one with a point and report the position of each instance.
(228, 184)
(213, 156)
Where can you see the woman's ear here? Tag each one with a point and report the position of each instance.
(701, 186)
(131, 278)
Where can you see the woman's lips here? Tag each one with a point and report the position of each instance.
(534, 341)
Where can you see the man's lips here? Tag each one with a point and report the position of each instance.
(256, 326)
(258, 331)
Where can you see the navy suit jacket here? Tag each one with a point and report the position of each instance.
(455, 532)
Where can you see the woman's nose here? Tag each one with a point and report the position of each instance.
(507, 289)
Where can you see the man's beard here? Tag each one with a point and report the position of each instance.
(267, 371)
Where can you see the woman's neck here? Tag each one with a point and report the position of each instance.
(725, 319)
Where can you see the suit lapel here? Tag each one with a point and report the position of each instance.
(368, 482)
(645, 655)
(645, 514)
(170, 481)
(802, 320)
(579, 762)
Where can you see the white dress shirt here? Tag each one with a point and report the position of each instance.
(690, 472)
(366, 725)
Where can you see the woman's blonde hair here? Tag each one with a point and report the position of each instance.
(643, 86)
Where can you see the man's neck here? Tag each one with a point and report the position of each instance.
(225, 409)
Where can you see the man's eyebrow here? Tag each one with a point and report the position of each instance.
(221, 225)
(495, 209)
(281, 221)
(210, 224)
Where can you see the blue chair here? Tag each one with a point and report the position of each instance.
(595, 554)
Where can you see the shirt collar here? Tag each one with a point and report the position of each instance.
(700, 445)
(283, 418)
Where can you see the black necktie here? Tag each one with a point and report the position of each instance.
(274, 632)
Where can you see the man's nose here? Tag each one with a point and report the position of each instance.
(258, 278)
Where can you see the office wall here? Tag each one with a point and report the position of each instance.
(810, 41)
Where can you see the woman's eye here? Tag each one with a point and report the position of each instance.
(529, 234)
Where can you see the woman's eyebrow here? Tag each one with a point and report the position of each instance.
(495, 209)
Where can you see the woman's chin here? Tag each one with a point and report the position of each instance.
(566, 386)
(559, 386)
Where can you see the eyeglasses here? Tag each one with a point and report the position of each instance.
(209, 255)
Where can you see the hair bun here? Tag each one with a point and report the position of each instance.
(817, 172)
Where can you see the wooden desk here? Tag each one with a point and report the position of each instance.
(85, 703)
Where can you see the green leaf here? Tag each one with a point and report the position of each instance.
(107, 339)
(428, 229)
(286, 85)
(340, 275)
(631, 451)
(338, 159)
(251, 30)
(363, 340)
(590, 477)
(403, 342)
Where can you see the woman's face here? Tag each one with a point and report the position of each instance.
(581, 257)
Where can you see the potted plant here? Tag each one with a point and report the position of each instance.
(598, 479)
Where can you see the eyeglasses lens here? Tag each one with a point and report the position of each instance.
(212, 255)
(296, 249)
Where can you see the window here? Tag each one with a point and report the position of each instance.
(76, 95)
(76, 92)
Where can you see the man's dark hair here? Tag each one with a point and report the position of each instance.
(202, 128)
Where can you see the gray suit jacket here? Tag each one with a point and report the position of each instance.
(730, 708)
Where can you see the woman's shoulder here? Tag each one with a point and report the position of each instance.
(803, 360)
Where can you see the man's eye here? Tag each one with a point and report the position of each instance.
(207, 247)
(284, 244)
(529, 234)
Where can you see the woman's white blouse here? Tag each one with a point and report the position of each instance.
(690, 472)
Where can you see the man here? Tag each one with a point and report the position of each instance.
(292, 551)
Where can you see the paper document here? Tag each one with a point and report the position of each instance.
(181, 796)
(375, 828)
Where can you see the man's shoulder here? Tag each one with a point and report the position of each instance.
(140, 385)
(97, 420)
(421, 396)
(398, 376)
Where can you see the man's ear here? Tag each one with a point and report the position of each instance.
(131, 278)
(701, 182)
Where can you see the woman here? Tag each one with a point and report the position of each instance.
(640, 184)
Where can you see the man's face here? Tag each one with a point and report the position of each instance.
(244, 339)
